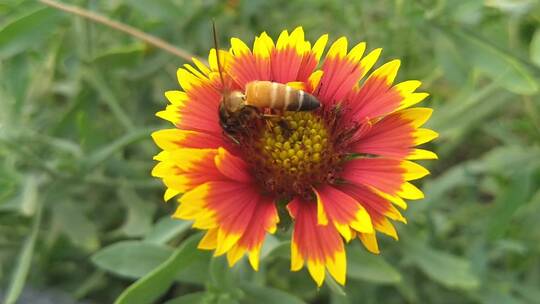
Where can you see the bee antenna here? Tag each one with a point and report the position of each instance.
(216, 47)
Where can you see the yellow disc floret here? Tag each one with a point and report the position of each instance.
(296, 144)
(295, 151)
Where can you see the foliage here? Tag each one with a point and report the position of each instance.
(79, 212)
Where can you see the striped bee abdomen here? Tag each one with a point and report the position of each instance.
(267, 94)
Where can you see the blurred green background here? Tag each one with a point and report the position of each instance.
(81, 219)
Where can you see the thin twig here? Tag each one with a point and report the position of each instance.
(159, 43)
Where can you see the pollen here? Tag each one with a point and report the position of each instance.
(293, 153)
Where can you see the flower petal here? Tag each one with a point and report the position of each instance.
(184, 169)
(311, 59)
(396, 135)
(232, 167)
(238, 211)
(287, 57)
(246, 66)
(171, 139)
(319, 246)
(264, 219)
(342, 71)
(200, 98)
(376, 97)
(369, 240)
(344, 211)
(387, 175)
(379, 209)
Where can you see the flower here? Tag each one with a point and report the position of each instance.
(341, 170)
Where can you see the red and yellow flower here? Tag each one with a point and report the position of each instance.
(341, 169)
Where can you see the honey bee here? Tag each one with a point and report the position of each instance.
(238, 109)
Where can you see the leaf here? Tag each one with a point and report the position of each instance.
(469, 109)
(534, 48)
(29, 195)
(159, 10)
(27, 31)
(119, 57)
(504, 160)
(334, 286)
(166, 229)
(221, 276)
(98, 82)
(509, 201)
(8, 184)
(104, 153)
(373, 268)
(192, 298)
(270, 244)
(513, 7)
(197, 271)
(497, 65)
(445, 268)
(22, 268)
(283, 249)
(448, 57)
(154, 284)
(75, 225)
(131, 259)
(508, 160)
(139, 213)
(267, 295)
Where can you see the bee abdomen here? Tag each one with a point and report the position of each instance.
(279, 96)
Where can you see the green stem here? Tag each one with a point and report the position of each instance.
(20, 273)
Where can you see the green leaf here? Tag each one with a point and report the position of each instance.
(283, 250)
(139, 213)
(131, 259)
(8, 184)
(469, 109)
(72, 221)
(448, 57)
(197, 271)
(119, 57)
(267, 295)
(166, 229)
(496, 64)
(104, 153)
(154, 284)
(369, 267)
(513, 7)
(98, 82)
(534, 48)
(221, 276)
(29, 195)
(445, 268)
(507, 160)
(160, 10)
(27, 31)
(270, 244)
(514, 196)
(192, 298)
(334, 286)
(22, 268)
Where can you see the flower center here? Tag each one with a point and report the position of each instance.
(293, 153)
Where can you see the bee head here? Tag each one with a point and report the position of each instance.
(234, 101)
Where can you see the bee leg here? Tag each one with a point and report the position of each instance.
(231, 137)
(286, 129)
(270, 116)
(270, 119)
(269, 123)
